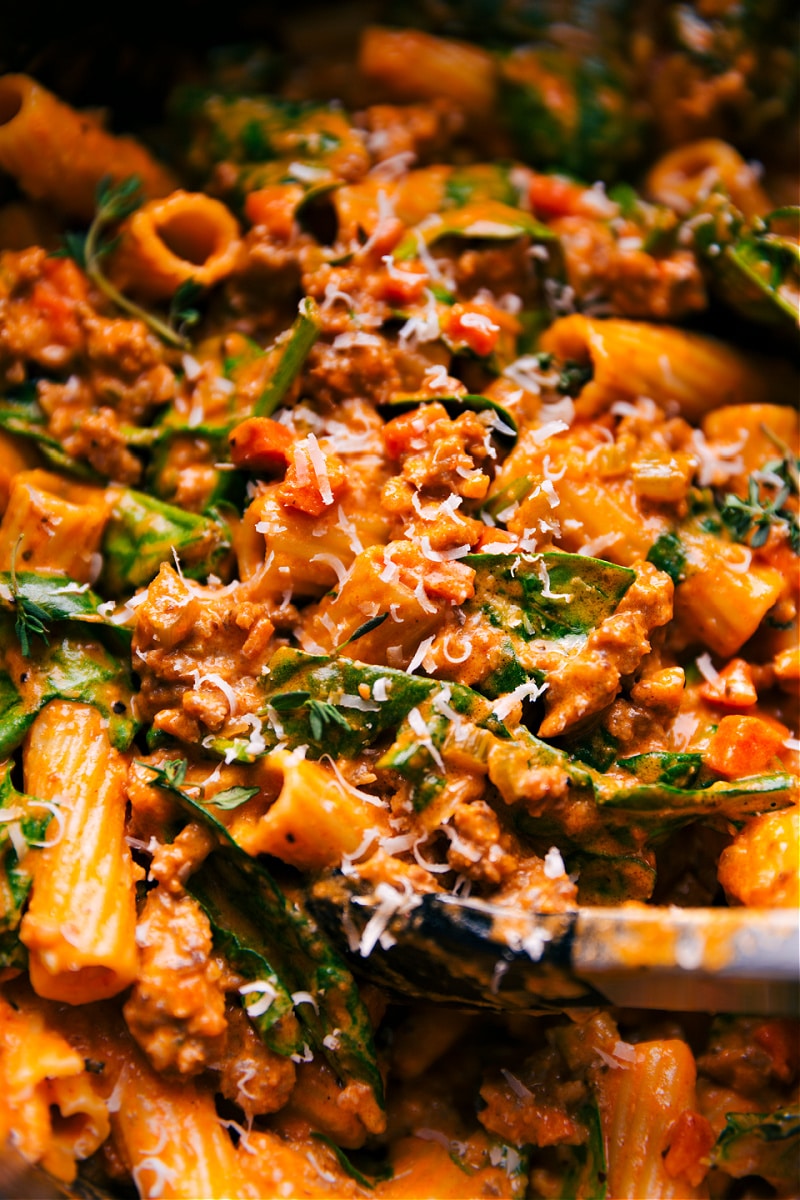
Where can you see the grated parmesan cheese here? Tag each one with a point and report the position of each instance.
(390, 903)
(544, 577)
(505, 704)
(417, 723)
(442, 555)
(706, 668)
(355, 337)
(467, 644)
(304, 998)
(424, 327)
(58, 816)
(265, 993)
(218, 682)
(320, 467)
(419, 655)
(358, 702)
(394, 167)
(597, 545)
(421, 596)
(546, 431)
(554, 863)
(517, 1086)
(341, 571)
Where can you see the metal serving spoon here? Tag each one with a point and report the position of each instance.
(443, 948)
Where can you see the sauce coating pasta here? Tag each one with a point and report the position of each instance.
(398, 508)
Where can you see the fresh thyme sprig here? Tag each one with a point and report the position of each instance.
(115, 202)
(31, 618)
(751, 519)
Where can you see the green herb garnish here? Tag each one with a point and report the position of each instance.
(31, 617)
(115, 202)
(232, 797)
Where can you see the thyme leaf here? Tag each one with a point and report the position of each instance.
(31, 618)
(113, 203)
(170, 775)
(362, 630)
(232, 797)
(321, 715)
(183, 313)
(751, 519)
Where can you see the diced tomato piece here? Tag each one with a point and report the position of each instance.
(744, 746)
(554, 196)
(274, 207)
(476, 329)
(402, 283)
(260, 444)
(689, 1144)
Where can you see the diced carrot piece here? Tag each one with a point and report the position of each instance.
(476, 329)
(734, 688)
(744, 746)
(274, 207)
(689, 1143)
(260, 444)
(385, 237)
(779, 1038)
(554, 196)
(403, 284)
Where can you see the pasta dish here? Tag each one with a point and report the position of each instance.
(398, 563)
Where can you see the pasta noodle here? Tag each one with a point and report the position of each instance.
(399, 564)
(78, 928)
(169, 241)
(60, 156)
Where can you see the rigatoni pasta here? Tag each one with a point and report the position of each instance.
(168, 242)
(399, 560)
(60, 156)
(78, 929)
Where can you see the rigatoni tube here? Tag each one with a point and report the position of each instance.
(640, 1103)
(60, 155)
(167, 242)
(81, 922)
(672, 367)
(685, 176)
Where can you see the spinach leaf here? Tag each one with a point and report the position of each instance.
(378, 1172)
(143, 532)
(668, 554)
(75, 667)
(20, 812)
(39, 599)
(531, 598)
(241, 894)
(488, 220)
(765, 1144)
(586, 1176)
